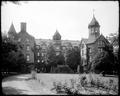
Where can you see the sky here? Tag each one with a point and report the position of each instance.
(70, 18)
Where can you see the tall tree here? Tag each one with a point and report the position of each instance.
(73, 58)
(104, 61)
(51, 58)
(12, 57)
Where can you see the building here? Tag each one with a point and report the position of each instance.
(25, 39)
(60, 46)
(93, 44)
(35, 50)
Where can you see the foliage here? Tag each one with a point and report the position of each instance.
(60, 59)
(63, 69)
(73, 58)
(84, 85)
(51, 58)
(12, 57)
(113, 36)
(104, 61)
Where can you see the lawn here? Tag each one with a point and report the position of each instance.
(46, 83)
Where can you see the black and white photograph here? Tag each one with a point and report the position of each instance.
(60, 47)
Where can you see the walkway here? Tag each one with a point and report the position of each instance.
(20, 85)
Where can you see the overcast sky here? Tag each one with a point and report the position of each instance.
(70, 18)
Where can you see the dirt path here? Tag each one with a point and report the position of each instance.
(19, 85)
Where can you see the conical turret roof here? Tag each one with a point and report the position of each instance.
(57, 36)
(94, 22)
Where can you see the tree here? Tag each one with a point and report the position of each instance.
(51, 58)
(104, 61)
(73, 58)
(60, 60)
(12, 57)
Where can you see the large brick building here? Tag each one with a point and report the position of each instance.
(25, 39)
(35, 50)
(93, 44)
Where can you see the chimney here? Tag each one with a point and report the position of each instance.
(23, 27)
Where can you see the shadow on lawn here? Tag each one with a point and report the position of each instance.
(12, 91)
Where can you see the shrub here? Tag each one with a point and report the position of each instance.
(97, 85)
(63, 69)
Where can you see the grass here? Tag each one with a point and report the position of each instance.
(70, 84)
(88, 84)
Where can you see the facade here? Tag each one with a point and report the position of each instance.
(35, 50)
(60, 46)
(94, 44)
(25, 39)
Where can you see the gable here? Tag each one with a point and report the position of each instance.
(103, 39)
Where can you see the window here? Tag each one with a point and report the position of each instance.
(19, 39)
(27, 40)
(42, 54)
(28, 47)
(90, 50)
(90, 58)
(28, 57)
(38, 60)
(99, 49)
(57, 48)
(64, 48)
(100, 43)
(96, 29)
(37, 47)
(38, 54)
(92, 30)
(57, 53)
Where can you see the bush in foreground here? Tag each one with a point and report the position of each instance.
(85, 85)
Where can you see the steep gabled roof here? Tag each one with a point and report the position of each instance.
(12, 29)
(89, 41)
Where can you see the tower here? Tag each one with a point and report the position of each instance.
(57, 42)
(94, 29)
(57, 36)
